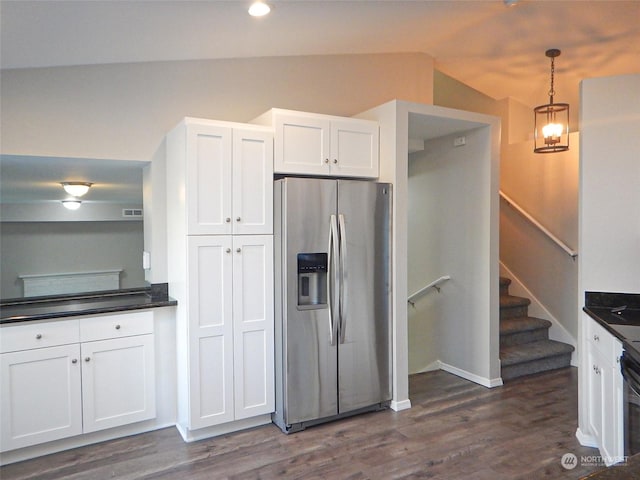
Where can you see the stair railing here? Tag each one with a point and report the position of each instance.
(537, 224)
(435, 284)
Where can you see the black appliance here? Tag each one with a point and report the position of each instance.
(630, 367)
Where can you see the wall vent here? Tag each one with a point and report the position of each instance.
(132, 212)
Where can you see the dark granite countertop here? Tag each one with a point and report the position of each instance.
(44, 308)
(602, 308)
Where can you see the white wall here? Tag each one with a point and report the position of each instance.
(449, 230)
(610, 185)
(398, 121)
(609, 226)
(67, 247)
(546, 186)
(123, 111)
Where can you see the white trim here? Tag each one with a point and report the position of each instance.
(229, 427)
(400, 405)
(557, 331)
(485, 382)
(586, 440)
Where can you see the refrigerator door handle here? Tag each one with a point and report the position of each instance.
(344, 278)
(332, 280)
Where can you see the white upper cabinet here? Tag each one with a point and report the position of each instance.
(314, 144)
(252, 182)
(225, 176)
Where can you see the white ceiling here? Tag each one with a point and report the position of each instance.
(494, 48)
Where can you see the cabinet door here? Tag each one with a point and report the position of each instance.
(210, 330)
(252, 182)
(598, 375)
(118, 382)
(208, 183)
(301, 145)
(40, 396)
(253, 325)
(354, 148)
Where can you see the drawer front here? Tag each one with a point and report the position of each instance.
(38, 335)
(116, 326)
(601, 339)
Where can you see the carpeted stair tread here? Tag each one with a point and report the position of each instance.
(528, 352)
(522, 324)
(512, 301)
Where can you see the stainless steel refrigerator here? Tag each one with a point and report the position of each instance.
(333, 342)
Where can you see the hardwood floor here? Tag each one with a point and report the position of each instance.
(455, 429)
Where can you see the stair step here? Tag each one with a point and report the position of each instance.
(512, 306)
(504, 285)
(534, 357)
(520, 330)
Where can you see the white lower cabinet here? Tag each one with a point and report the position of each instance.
(50, 392)
(41, 396)
(604, 402)
(118, 382)
(230, 329)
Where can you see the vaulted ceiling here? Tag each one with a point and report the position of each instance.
(489, 45)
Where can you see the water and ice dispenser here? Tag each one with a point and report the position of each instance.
(312, 280)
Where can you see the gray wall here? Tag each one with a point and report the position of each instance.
(67, 247)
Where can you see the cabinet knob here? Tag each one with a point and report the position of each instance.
(335, 160)
(237, 219)
(87, 359)
(228, 250)
(326, 160)
(117, 327)
(596, 338)
(238, 250)
(38, 336)
(74, 361)
(228, 219)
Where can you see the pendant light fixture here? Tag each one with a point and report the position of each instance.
(551, 123)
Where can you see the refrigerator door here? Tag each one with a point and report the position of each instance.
(310, 363)
(364, 361)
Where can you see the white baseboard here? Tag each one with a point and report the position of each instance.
(586, 440)
(397, 406)
(537, 309)
(484, 381)
(433, 366)
(208, 432)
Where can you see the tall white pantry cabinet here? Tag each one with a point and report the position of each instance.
(220, 268)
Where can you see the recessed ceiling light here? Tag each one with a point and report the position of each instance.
(259, 9)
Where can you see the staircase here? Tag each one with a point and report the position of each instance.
(525, 347)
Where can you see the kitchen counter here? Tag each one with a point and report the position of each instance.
(607, 309)
(43, 308)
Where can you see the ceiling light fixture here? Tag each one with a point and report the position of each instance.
(76, 189)
(71, 204)
(551, 121)
(259, 9)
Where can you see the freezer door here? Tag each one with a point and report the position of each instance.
(310, 359)
(364, 360)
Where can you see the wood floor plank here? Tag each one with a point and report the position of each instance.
(454, 430)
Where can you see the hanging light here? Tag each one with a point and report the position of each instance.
(76, 189)
(551, 122)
